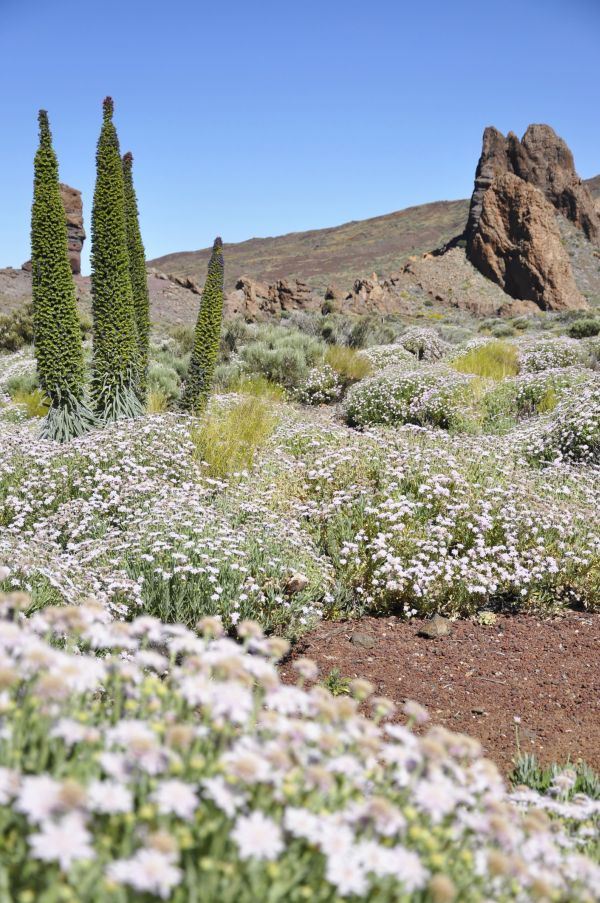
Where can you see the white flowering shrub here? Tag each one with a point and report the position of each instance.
(129, 515)
(573, 432)
(143, 761)
(383, 356)
(424, 344)
(533, 393)
(550, 353)
(417, 522)
(321, 386)
(426, 396)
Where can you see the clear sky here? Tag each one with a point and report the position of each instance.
(252, 118)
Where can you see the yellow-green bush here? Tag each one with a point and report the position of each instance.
(349, 364)
(228, 439)
(494, 360)
(259, 387)
(35, 402)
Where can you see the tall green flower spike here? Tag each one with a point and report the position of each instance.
(57, 334)
(137, 273)
(207, 336)
(115, 384)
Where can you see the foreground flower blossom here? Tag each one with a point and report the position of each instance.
(65, 841)
(161, 794)
(257, 837)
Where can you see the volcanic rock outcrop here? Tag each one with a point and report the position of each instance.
(512, 232)
(71, 199)
(518, 245)
(257, 300)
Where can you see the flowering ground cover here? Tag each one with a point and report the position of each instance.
(393, 485)
(147, 761)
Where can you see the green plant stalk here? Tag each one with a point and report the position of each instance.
(57, 334)
(207, 336)
(115, 361)
(137, 274)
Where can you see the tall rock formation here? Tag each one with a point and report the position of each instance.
(517, 244)
(71, 199)
(512, 235)
(544, 160)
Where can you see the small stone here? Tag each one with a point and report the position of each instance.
(436, 627)
(362, 639)
(478, 711)
(296, 583)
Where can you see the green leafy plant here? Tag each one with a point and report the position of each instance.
(336, 683)
(584, 328)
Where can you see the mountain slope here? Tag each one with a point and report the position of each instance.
(338, 254)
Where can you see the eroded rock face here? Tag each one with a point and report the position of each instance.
(71, 199)
(512, 231)
(544, 160)
(256, 300)
(517, 245)
(541, 158)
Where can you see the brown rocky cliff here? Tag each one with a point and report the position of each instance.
(512, 233)
(517, 244)
(541, 158)
(71, 199)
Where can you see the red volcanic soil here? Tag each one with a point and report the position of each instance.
(477, 679)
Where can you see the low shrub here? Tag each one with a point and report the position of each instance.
(425, 344)
(350, 365)
(184, 338)
(321, 386)
(228, 375)
(562, 782)
(550, 353)
(529, 394)
(502, 330)
(382, 356)
(164, 380)
(228, 438)
(425, 397)
(16, 329)
(23, 381)
(177, 766)
(491, 360)
(234, 334)
(573, 432)
(585, 328)
(281, 355)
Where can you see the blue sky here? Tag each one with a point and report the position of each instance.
(258, 118)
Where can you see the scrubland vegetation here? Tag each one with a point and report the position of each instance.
(176, 507)
(413, 476)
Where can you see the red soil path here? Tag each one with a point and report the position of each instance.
(477, 679)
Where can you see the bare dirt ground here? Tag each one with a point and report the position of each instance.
(478, 679)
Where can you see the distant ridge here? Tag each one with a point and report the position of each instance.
(338, 254)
